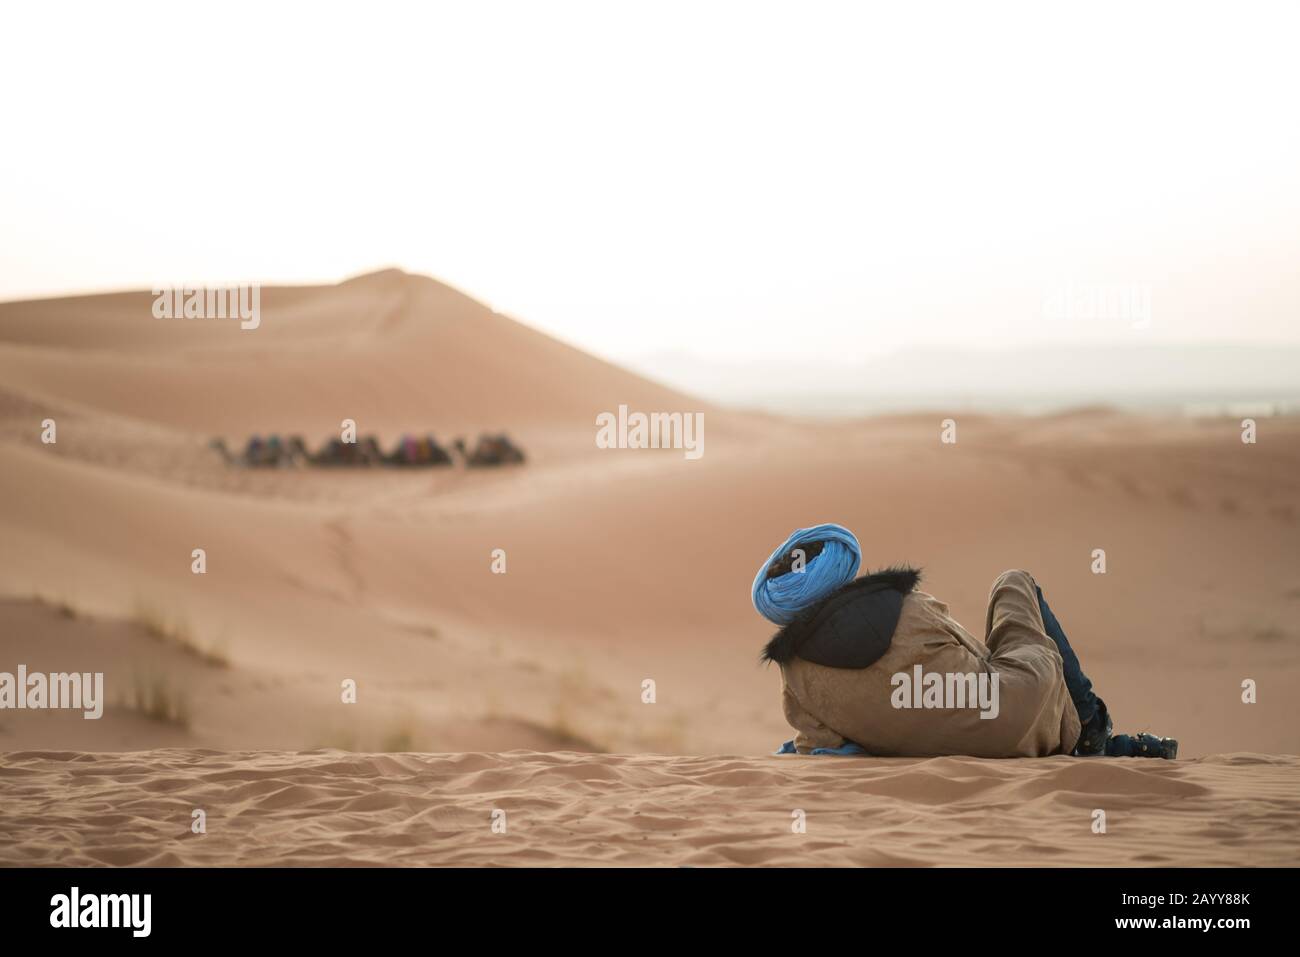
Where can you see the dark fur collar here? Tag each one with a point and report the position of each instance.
(785, 643)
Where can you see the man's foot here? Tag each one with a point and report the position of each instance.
(1095, 734)
(1141, 745)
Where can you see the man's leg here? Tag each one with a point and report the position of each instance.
(1096, 737)
(1080, 687)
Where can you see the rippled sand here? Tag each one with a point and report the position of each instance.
(563, 808)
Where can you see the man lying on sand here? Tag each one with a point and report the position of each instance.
(873, 666)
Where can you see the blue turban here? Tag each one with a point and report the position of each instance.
(780, 599)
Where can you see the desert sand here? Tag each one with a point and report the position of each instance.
(330, 808)
(622, 566)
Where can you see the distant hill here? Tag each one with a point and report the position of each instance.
(391, 350)
(1031, 379)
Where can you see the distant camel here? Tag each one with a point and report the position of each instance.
(413, 451)
(491, 450)
(336, 452)
(511, 453)
(276, 454)
(436, 454)
(371, 453)
(219, 446)
(471, 459)
(257, 453)
(298, 452)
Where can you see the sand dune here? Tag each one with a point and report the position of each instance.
(334, 808)
(622, 566)
(390, 350)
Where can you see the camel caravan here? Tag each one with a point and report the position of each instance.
(411, 451)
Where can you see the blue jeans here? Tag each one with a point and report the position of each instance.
(1080, 688)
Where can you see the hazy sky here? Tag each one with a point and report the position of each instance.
(739, 180)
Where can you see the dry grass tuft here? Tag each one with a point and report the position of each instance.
(177, 632)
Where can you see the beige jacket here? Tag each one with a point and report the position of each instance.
(1034, 713)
